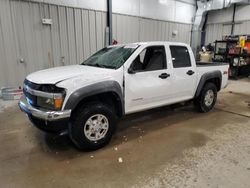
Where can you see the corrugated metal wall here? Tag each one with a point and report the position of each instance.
(218, 23)
(132, 29)
(74, 35)
(218, 30)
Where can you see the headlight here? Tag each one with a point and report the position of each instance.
(50, 103)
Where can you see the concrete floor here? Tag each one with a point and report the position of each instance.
(159, 148)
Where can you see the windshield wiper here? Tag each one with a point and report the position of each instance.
(99, 65)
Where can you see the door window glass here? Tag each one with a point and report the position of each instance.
(180, 56)
(150, 59)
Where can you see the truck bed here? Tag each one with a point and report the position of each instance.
(204, 64)
(203, 68)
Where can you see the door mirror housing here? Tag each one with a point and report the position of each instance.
(131, 71)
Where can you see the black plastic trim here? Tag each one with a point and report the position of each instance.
(205, 77)
(102, 87)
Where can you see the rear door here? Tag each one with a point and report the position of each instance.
(184, 72)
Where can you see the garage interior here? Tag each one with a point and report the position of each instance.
(170, 146)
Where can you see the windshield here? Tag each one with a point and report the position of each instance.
(111, 57)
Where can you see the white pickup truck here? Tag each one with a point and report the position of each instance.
(88, 99)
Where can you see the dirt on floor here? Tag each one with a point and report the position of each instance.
(164, 147)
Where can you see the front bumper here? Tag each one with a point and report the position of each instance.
(45, 115)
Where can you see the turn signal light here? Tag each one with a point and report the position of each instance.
(58, 103)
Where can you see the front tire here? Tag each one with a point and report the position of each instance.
(92, 126)
(207, 98)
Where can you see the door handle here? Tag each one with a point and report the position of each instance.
(190, 72)
(164, 75)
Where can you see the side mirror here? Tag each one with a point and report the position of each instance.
(131, 71)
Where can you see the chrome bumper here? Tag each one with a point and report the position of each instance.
(42, 114)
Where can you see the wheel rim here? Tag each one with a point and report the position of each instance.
(96, 127)
(209, 98)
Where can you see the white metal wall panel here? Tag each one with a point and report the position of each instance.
(104, 25)
(86, 4)
(92, 31)
(242, 13)
(73, 36)
(114, 25)
(242, 28)
(218, 22)
(46, 37)
(64, 48)
(99, 31)
(125, 28)
(3, 62)
(78, 35)
(131, 29)
(55, 37)
(226, 30)
(168, 10)
(216, 32)
(220, 16)
(184, 13)
(86, 33)
(7, 43)
(120, 30)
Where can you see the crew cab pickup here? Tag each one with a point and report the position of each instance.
(87, 99)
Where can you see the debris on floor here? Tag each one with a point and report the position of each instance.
(120, 160)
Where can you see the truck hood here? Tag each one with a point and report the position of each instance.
(58, 74)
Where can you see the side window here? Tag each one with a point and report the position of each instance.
(180, 56)
(150, 59)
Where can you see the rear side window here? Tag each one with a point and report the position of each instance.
(180, 56)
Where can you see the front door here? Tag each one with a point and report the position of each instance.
(147, 81)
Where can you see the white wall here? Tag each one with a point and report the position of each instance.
(242, 13)
(218, 23)
(87, 4)
(220, 16)
(168, 10)
(78, 30)
(133, 29)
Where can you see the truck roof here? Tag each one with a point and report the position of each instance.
(151, 43)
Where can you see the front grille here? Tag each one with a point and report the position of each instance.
(31, 98)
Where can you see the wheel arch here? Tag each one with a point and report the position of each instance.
(108, 92)
(213, 77)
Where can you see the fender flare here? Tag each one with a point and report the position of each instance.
(204, 78)
(94, 89)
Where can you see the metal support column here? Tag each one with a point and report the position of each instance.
(233, 20)
(109, 21)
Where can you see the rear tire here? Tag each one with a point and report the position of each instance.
(207, 98)
(92, 126)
